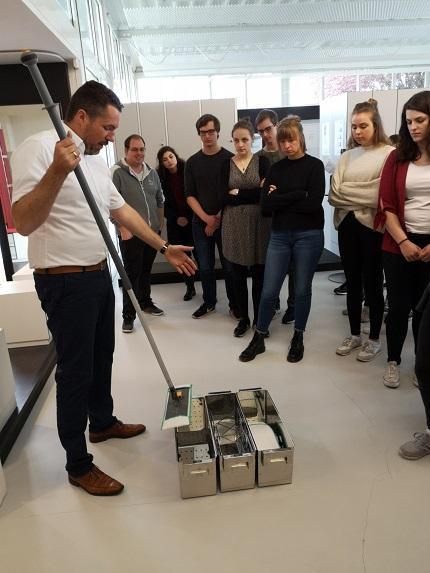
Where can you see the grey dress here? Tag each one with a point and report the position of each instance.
(245, 232)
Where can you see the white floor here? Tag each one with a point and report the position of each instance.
(354, 505)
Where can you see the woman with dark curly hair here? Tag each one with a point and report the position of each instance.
(170, 168)
(405, 207)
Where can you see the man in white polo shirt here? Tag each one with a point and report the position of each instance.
(68, 255)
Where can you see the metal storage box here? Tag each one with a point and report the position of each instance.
(234, 443)
(196, 454)
(274, 445)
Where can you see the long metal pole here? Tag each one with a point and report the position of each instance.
(29, 59)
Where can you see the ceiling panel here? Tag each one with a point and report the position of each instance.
(222, 36)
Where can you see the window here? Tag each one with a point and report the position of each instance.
(100, 33)
(86, 23)
(264, 91)
(407, 81)
(305, 90)
(369, 82)
(335, 85)
(230, 86)
(67, 7)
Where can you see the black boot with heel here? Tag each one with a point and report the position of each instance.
(256, 346)
(296, 351)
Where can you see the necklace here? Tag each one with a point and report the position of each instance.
(241, 164)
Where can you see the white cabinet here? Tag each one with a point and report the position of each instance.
(402, 98)
(174, 124)
(387, 105)
(153, 127)
(128, 124)
(30, 328)
(181, 117)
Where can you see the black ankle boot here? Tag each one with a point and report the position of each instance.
(295, 353)
(256, 346)
(241, 327)
(191, 291)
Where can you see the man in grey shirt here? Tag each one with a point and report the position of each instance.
(141, 188)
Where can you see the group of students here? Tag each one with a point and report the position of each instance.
(264, 212)
(381, 196)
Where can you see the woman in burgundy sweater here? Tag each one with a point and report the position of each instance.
(178, 214)
(404, 197)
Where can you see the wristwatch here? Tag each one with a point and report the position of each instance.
(164, 248)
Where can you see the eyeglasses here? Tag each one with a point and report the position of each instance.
(136, 149)
(204, 132)
(267, 129)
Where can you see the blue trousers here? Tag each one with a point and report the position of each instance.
(304, 248)
(80, 309)
(205, 250)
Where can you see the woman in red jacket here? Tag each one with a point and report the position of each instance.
(405, 206)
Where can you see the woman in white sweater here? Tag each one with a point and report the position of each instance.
(354, 194)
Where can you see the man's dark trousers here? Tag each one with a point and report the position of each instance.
(138, 258)
(80, 309)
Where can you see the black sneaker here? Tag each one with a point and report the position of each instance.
(242, 326)
(152, 309)
(296, 351)
(288, 317)
(203, 310)
(341, 289)
(234, 313)
(127, 325)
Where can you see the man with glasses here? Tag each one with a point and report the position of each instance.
(204, 193)
(141, 188)
(265, 124)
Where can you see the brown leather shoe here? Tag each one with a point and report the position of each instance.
(118, 430)
(96, 482)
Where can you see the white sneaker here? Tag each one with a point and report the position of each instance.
(392, 375)
(348, 345)
(414, 379)
(370, 349)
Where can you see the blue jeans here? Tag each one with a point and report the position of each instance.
(205, 250)
(304, 248)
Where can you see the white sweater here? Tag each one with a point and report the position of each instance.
(355, 183)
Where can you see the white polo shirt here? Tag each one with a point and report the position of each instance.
(70, 235)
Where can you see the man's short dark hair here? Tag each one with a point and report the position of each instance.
(130, 137)
(93, 98)
(205, 119)
(266, 114)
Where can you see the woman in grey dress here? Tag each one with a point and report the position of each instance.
(245, 231)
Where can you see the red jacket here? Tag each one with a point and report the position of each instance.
(392, 198)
